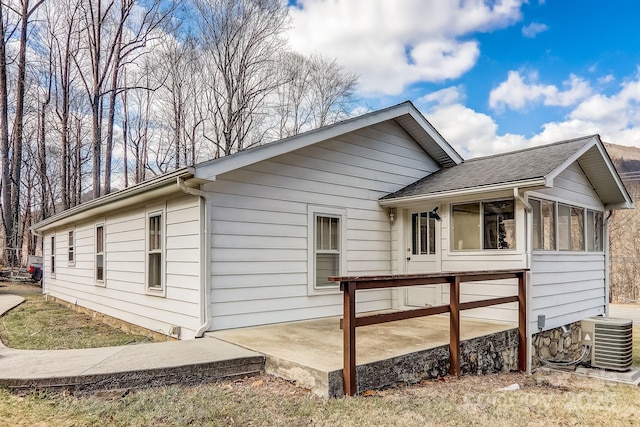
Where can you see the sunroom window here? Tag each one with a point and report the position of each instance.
(578, 229)
(492, 223)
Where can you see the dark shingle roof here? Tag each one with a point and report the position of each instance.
(515, 166)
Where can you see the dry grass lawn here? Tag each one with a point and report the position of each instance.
(543, 399)
(37, 324)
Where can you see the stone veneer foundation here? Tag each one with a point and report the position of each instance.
(556, 345)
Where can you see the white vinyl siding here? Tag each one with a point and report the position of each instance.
(260, 256)
(125, 296)
(566, 287)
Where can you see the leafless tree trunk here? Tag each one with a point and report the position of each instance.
(241, 39)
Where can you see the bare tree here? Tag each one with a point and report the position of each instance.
(240, 39)
(11, 189)
(332, 90)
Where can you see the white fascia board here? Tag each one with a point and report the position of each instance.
(628, 204)
(539, 182)
(211, 169)
(160, 186)
(435, 135)
(595, 141)
(586, 147)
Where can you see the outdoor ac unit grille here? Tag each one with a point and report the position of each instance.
(611, 341)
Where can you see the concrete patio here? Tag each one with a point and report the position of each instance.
(310, 352)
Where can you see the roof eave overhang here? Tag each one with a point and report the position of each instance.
(210, 170)
(617, 199)
(459, 193)
(145, 191)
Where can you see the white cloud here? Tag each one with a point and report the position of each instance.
(615, 118)
(515, 93)
(394, 44)
(533, 29)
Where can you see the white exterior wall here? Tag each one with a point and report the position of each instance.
(567, 286)
(260, 224)
(124, 293)
(564, 286)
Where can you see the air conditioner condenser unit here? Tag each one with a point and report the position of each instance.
(611, 342)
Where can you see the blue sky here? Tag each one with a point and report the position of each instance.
(491, 76)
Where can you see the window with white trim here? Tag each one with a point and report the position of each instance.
(53, 256)
(71, 251)
(423, 233)
(327, 249)
(559, 226)
(483, 225)
(100, 253)
(155, 246)
(544, 224)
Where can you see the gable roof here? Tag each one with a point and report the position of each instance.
(528, 168)
(405, 114)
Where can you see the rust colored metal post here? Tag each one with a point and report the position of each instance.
(522, 321)
(349, 338)
(454, 326)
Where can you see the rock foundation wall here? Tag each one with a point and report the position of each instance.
(556, 345)
(479, 356)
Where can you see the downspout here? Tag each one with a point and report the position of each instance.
(607, 278)
(528, 251)
(205, 260)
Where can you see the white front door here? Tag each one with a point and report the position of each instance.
(423, 257)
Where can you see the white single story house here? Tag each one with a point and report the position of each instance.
(250, 239)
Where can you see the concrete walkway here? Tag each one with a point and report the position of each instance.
(136, 365)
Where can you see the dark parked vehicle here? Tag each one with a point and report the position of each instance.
(35, 268)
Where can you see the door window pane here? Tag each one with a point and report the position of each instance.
(423, 231)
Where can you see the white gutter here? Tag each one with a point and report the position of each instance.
(538, 182)
(205, 260)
